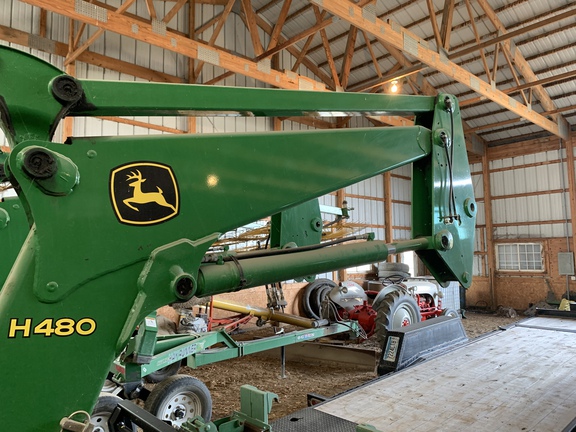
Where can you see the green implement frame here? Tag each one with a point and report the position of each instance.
(199, 349)
(120, 225)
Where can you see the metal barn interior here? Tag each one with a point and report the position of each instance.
(511, 65)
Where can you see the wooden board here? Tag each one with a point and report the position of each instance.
(521, 379)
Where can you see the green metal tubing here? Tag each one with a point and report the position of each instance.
(220, 278)
(239, 349)
(145, 99)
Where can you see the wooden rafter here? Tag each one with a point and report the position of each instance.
(348, 54)
(303, 52)
(395, 74)
(400, 38)
(505, 36)
(515, 76)
(174, 10)
(288, 45)
(435, 28)
(43, 23)
(252, 26)
(151, 9)
(216, 33)
(518, 120)
(446, 27)
(518, 59)
(477, 36)
(72, 56)
(61, 49)
(275, 36)
(372, 55)
(172, 41)
(328, 51)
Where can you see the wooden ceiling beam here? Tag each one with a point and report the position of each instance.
(392, 76)
(267, 6)
(518, 119)
(42, 24)
(402, 39)
(171, 41)
(61, 49)
(518, 59)
(335, 78)
(477, 36)
(372, 55)
(252, 26)
(277, 32)
(299, 55)
(216, 33)
(446, 26)
(506, 36)
(174, 10)
(151, 9)
(348, 55)
(74, 54)
(288, 44)
(435, 28)
(302, 35)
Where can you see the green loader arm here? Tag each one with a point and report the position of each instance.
(121, 225)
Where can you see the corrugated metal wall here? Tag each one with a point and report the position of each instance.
(530, 200)
(528, 190)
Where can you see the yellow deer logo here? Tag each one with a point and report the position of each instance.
(140, 197)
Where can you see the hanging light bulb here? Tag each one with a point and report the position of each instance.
(394, 87)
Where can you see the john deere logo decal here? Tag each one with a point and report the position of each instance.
(144, 193)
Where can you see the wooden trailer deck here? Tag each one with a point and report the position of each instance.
(520, 379)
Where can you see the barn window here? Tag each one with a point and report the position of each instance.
(519, 257)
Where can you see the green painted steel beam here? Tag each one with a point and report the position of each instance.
(27, 111)
(449, 216)
(147, 99)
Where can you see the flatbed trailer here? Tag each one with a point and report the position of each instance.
(518, 379)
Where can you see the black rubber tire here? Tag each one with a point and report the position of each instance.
(102, 411)
(319, 296)
(309, 301)
(179, 392)
(394, 308)
(450, 312)
(393, 267)
(161, 374)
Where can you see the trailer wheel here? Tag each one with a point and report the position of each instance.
(162, 374)
(178, 399)
(311, 299)
(450, 312)
(397, 309)
(102, 411)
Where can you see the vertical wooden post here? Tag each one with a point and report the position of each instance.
(277, 124)
(389, 232)
(571, 184)
(489, 228)
(191, 124)
(68, 124)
